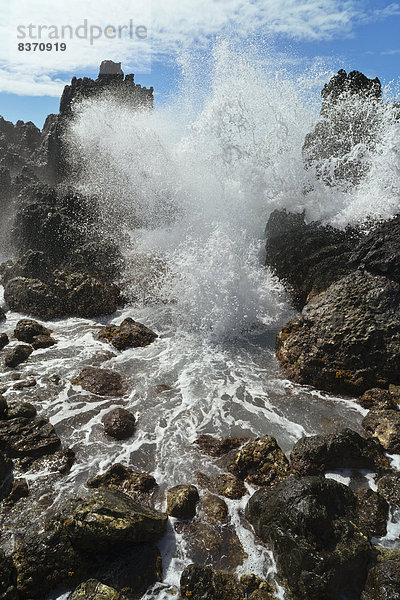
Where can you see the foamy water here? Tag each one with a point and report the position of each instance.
(188, 190)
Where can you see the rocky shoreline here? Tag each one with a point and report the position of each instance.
(105, 543)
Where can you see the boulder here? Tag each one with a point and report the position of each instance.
(378, 399)
(43, 341)
(19, 490)
(230, 486)
(260, 462)
(213, 544)
(4, 340)
(126, 480)
(110, 518)
(257, 588)
(215, 447)
(385, 426)
(389, 488)
(379, 251)
(347, 339)
(17, 409)
(119, 423)
(383, 582)
(22, 436)
(17, 355)
(214, 509)
(7, 578)
(344, 450)
(307, 257)
(34, 297)
(94, 590)
(27, 330)
(129, 334)
(204, 583)
(311, 526)
(102, 382)
(44, 561)
(182, 501)
(373, 512)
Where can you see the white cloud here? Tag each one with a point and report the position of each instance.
(172, 24)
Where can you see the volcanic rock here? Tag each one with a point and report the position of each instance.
(385, 426)
(311, 527)
(119, 423)
(182, 501)
(260, 462)
(347, 339)
(129, 334)
(102, 382)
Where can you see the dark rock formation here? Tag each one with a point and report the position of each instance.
(5, 468)
(130, 334)
(307, 258)
(4, 340)
(2, 315)
(215, 447)
(102, 382)
(378, 399)
(347, 339)
(94, 590)
(230, 486)
(211, 543)
(118, 477)
(22, 436)
(389, 488)
(225, 484)
(43, 341)
(119, 423)
(27, 330)
(182, 501)
(110, 518)
(344, 450)
(260, 462)
(385, 426)
(17, 355)
(215, 509)
(7, 578)
(204, 583)
(311, 526)
(257, 588)
(383, 582)
(379, 251)
(373, 512)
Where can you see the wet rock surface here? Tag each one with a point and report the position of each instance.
(119, 423)
(326, 346)
(111, 518)
(204, 583)
(94, 590)
(384, 425)
(344, 450)
(25, 437)
(260, 462)
(307, 258)
(133, 483)
(215, 447)
(129, 334)
(383, 582)
(311, 526)
(27, 330)
(102, 382)
(182, 501)
(389, 488)
(17, 355)
(378, 399)
(373, 512)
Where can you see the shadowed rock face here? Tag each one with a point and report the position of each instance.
(307, 258)
(311, 526)
(383, 582)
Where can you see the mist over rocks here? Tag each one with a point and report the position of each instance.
(62, 249)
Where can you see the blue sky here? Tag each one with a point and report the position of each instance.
(350, 34)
